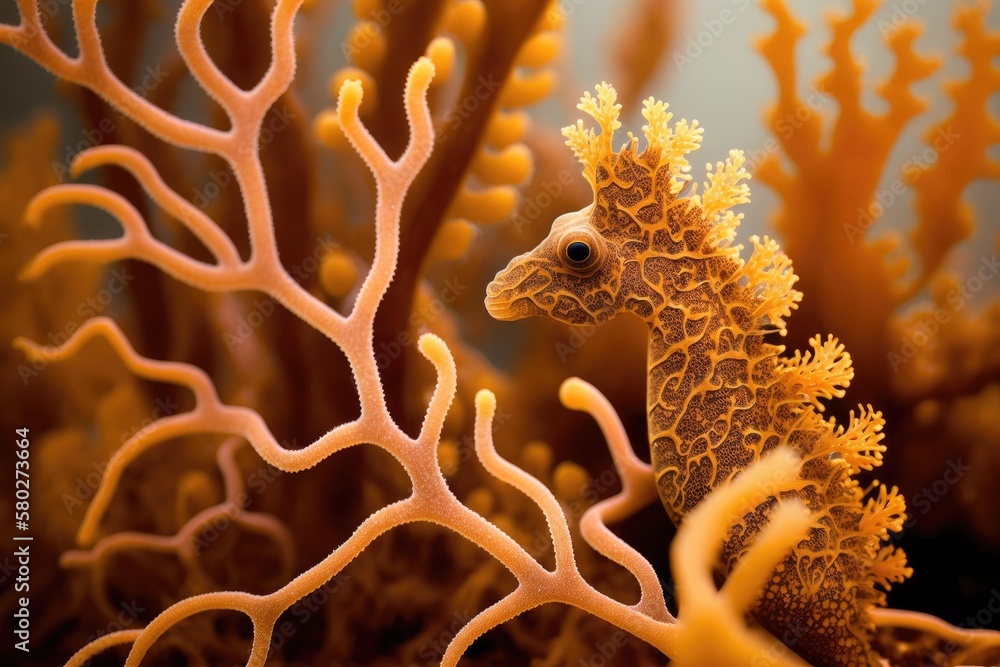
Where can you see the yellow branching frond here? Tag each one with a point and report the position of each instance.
(725, 187)
(673, 145)
(889, 567)
(770, 272)
(589, 146)
(823, 373)
(667, 146)
(657, 129)
(684, 140)
(883, 514)
(584, 145)
(604, 109)
(721, 235)
(860, 444)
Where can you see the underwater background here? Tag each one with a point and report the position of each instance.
(887, 212)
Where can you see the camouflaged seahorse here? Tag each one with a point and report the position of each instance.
(719, 396)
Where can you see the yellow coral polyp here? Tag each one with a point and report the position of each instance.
(367, 45)
(465, 19)
(569, 480)
(540, 49)
(441, 51)
(338, 274)
(453, 240)
(523, 89)
(511, 165)
(537, 459)
(506, 128)
(328, 131)
(490, 205)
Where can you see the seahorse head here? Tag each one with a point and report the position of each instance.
(631, 247)
(572, 276)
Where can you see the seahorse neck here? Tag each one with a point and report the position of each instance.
(699, 387)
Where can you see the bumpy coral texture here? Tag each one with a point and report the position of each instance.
(719, 396)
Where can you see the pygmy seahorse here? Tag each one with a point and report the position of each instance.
(719, 396)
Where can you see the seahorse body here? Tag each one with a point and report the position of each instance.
(719, 396)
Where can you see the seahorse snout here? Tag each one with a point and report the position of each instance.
(508, 296)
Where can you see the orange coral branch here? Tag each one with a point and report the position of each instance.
(972, 642)
(183, 542)
(199, 63)
(90, 70)
(172, 203)
(638, 491)
(101, 644)
(103, 327)
(392, 178)
(718, 634)
(945, 220)
(136, 242)
(562, 543)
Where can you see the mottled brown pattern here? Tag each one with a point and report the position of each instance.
(719, 397)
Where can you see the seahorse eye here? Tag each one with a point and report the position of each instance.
(578, 252)
(581, 251)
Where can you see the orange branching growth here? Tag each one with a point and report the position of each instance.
(923, 340)
(859, 140)
(946, 643)
(719, 397)
(944, 220)
(705, 611)
(28, 172)
(824, 372)
(492, 60)
(188, 542)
